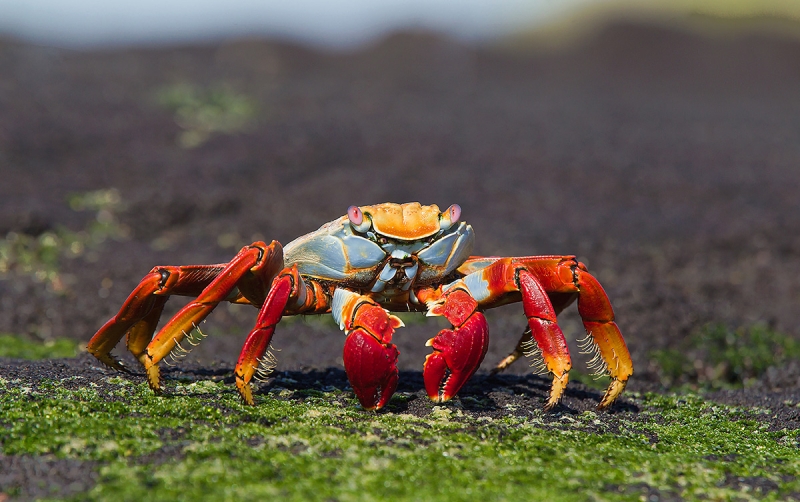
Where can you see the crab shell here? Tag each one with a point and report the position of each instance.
(370, 246)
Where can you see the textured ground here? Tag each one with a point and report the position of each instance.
(667, 161)
(73, 431)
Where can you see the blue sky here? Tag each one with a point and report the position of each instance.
(339, 23)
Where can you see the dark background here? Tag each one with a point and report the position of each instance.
(666, 159)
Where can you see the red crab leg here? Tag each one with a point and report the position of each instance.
(258, 259)
(139, 314)
(547, 334)
(370, 359)
(287, 286)
(560, 301)
(562, 277)
(598, 319)
(503, 280)
(457, 353)
(141, 333)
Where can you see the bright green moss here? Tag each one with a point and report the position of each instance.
(200, 443)
(20, 347)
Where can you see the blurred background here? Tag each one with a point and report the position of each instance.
(344, 24)
(657, 141)
(351, 24)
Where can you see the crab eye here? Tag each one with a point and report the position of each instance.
(355, 215)
(455, 213)
(358, 220)
(448, 218)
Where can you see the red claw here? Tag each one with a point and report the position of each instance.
(457, 355)
(371, 368)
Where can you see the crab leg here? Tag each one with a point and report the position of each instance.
(370, 359)
(457, 353)
(561, 278)
(598, 319)
(253, 265)
(503, 279)
(560, 301)
(285, 287)
(547, 334)
(141, 333)
(139, 315)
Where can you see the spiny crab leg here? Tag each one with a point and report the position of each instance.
(598, 319)
(560, 301)
(370, 357)
(287, 286)
(253, 264)
(560, 279)
(140, 313)
(546, 333)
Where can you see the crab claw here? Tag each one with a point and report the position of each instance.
(371, 368)
(457, 353)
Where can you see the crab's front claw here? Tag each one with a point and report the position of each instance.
(371, 368)
(457, 353)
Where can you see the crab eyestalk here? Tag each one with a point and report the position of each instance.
(450, 217)
(357, 219)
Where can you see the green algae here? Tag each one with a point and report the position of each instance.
(200, 443)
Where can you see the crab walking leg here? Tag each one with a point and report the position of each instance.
(139, 314)
(287, 286)
(458, 352)
(562, 278)
(258, 259)
(547, 334)
(560, 301)
(141, 333)
(598, 319)
(495, 281)
(370, 359)
(564, 274)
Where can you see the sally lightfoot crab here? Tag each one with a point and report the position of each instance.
(360, 267)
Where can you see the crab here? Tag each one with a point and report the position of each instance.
(360, 267)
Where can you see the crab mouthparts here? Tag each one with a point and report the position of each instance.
(400, 270)
(405, 263)
(402, 262)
